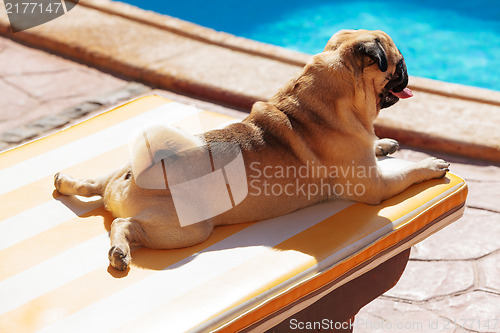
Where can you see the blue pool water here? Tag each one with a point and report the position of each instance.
(451, 40)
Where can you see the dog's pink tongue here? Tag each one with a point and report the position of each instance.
(406, 93)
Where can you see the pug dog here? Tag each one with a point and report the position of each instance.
(315, 133)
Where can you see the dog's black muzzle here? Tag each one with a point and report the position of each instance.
(397, 83)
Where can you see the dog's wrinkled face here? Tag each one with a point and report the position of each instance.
(374, 55)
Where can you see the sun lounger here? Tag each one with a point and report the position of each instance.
(322, 262)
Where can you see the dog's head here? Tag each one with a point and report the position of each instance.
(373, 57)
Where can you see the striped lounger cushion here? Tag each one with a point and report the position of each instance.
(54, 274)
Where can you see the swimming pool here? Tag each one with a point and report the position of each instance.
(451, 40)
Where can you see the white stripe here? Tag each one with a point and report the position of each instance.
(53, 273)
(177, 279)
(49, 163)
(38, 219)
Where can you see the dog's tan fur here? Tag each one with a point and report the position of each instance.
(323, 117)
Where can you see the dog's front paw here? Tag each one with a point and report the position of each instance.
(384, 147)
(435, 167)
(119, 258)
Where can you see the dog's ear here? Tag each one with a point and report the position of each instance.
(376, 52)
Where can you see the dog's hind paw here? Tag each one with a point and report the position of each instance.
(60, 182)
(118, 258)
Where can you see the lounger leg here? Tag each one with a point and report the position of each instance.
(340, 306)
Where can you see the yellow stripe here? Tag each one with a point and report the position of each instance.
(50, 243)
(26, 197)
(80, 130)
(100, 284)
(43, 190)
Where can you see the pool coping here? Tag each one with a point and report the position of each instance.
(219, 38)
(241, 99)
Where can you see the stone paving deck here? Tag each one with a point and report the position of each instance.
(41, 81)
(451, 282)
(37, 87)
(176, 55)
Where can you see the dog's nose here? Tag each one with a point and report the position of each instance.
(400, 77)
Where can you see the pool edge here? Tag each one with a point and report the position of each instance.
(239, 97)
(208, 35)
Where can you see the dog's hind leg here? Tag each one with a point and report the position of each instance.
(68, 185)
(123, 233)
